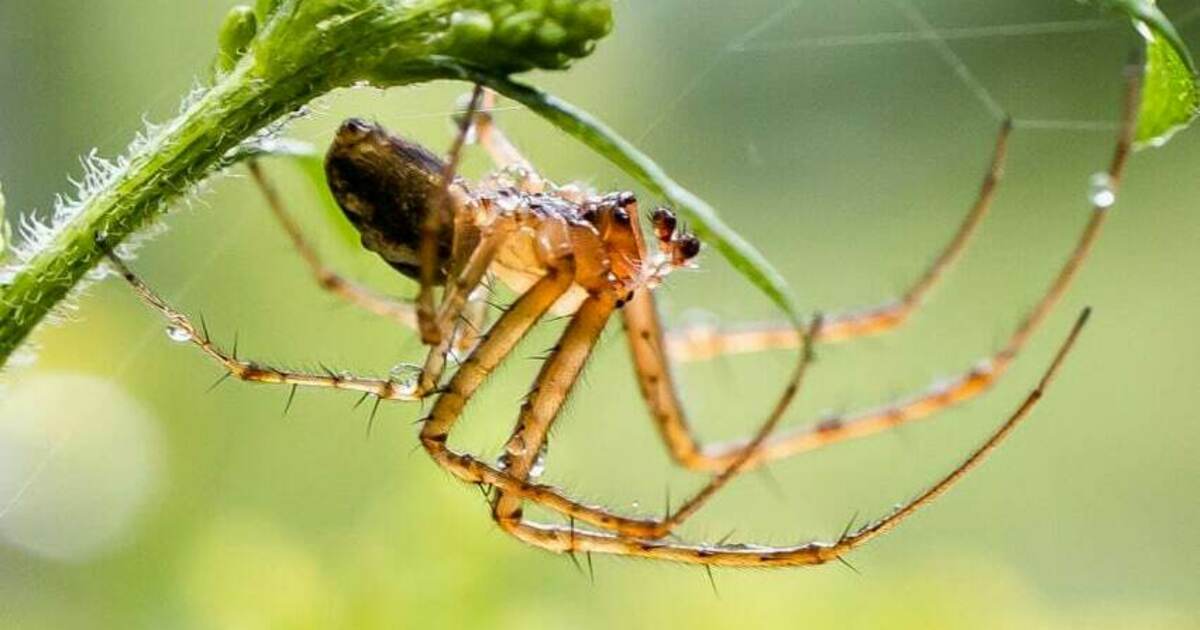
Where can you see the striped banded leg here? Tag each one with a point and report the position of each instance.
(649, 351)
(572, 539)
(699, 342)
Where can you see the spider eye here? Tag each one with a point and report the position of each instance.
(621, 216)
(626, 199)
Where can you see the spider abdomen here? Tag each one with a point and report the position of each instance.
(386, 187)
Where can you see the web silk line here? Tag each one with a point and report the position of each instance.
(698, 79)
(938, 38)
(951, 58)
(944, 34)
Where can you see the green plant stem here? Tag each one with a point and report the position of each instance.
(303, 49)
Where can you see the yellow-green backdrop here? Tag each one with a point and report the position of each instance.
(130, 497)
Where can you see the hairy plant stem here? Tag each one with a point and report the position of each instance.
(303, 49)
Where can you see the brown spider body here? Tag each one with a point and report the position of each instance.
(387, 186)
(565, 250)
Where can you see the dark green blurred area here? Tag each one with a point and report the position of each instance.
(130, 497)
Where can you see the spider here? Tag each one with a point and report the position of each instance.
(569, 251)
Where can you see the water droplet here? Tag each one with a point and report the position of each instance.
(178, 333)
(1101, 191)
(539, 464)
(636, 505)
(406, 376)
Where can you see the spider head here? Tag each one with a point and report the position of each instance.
(614, 217)
(631, 262)
(385, 186)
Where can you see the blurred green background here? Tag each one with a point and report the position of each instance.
(130, 497)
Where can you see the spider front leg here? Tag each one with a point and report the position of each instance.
(183, 329)
(699, 342)
(328, 279)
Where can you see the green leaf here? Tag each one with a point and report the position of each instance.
(708, 225)
(1170, 98)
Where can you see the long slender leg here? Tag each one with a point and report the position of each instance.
(397, 310)
(571, 539)
(503, 152)
(700, 342)
(492, 349)
(432, 227)
(181, 328)
(474, 318)
(550, 390)
(645, 337)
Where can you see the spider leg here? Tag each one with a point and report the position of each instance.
(455, 299)
(550, 390)
(503, 152)
(704, 341)
(493, 348)
(431, 228)
(400, 311)
(643, 330)
(571, 539)
(473, 319)
(254, 371)
(937, 398)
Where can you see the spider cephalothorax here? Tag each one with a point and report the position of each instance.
(387, 187)
(564, 249)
